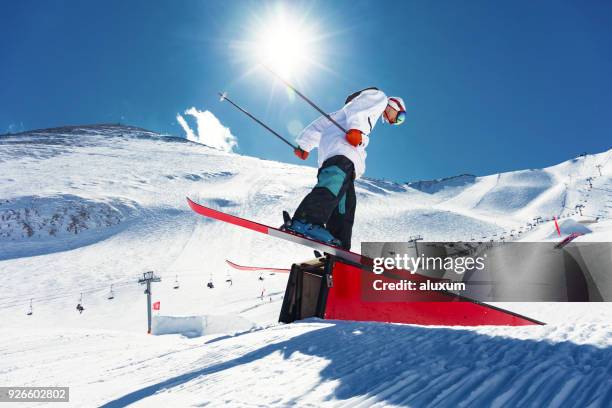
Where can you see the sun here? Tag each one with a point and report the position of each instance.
(285, 47)
(285, 42)
(293, 42)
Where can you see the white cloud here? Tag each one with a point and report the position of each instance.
(181, 120)
(210, 131)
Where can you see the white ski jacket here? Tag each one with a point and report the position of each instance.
(361, 113)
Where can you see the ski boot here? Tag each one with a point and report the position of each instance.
(312, 231)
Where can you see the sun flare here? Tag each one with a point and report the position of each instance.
(284, 48)
(285, 44)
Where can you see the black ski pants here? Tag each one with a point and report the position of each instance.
(332, 202)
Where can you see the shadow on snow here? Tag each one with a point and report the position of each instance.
(418, 366)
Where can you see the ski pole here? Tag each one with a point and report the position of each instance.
(301, 95)
(225, 98)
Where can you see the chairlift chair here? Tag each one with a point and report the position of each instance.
(79, 306)
(210, 283)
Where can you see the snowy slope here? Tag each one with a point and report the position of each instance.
(84, 208)
(322, 363)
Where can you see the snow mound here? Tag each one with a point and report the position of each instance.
(569, 226)
(548, 231)
(196, 326)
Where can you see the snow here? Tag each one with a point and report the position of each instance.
(85, 207)
(319, 363)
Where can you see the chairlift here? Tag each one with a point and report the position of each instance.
(30, 311)
(111, 294)
(176, 283)
(79, 306)
(228, 279)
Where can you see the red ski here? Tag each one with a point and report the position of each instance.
(275, 232)
(256, 268)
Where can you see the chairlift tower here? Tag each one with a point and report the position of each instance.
(414, 239)
(147, 279)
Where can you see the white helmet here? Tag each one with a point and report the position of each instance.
(396, 103)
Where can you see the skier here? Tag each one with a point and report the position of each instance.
(327, 213)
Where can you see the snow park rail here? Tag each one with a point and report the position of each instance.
(332, 288)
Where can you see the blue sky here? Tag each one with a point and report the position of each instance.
(490, 86)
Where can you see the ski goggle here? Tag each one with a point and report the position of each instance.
(400, 118)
